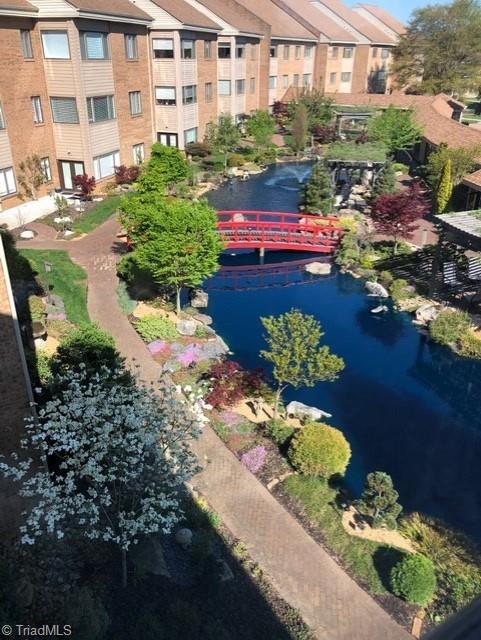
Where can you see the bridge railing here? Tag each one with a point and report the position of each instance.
(241, 215)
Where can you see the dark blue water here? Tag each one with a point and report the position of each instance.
(407, 407)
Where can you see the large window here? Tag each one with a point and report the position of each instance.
(26, 43)
(100, 108)
(223, 88)
(207, 49)
(190, 135)
(273, 51)
(240, 87)
(163, 48)
(252, 85)
(138, 151)
(187, 49)
(189, 94)
(64, 110)
(55, 45)
(308, 51)
(240, 50)
(47, 173)
(208, 92)
(347, 52)
(7, 181)
(272, 82)
(104, 165)
(2, 118)
(135, 103)
(94, 45)
(37, 109)
(346, 76)
(165, 96)
(130, 40)
(287, 50)
(223, 50)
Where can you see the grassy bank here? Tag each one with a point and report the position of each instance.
(97, 215)
(65, 279)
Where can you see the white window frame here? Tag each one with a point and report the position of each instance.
(273, 51)
(71, 101)
(46, 170)
(272, 82)
(111, 115)
(37, 110)
(26, 44)
(3, 124)
(240, 87)
(285, 81)
(286, 52)
(346, 76)
(138, 151)
(162, 96)
(226, 46)
(333, 77)
(308, 51)
(208, 49)
(306, 79)
(224, 87)
(189, 94)
(348, 52)
(163, 44)
(335, 53)
(240, 50)
(184, 49)
(8, 184)
(298, 51)
(46, 46)
(97, 162)
(385, 54)
(84, 35)
(135, 103)
(131, 50)
(193, 132)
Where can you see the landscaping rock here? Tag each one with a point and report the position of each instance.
(27, 234)
(427, 313)
(318, 268)
(184, 537)
(202, 317)
(186, 327)
(148, 556)
(213, 349)
(299, 409)
(56, 301)
(376, 290)
(39, 330)
(199, 299)
(57, 314)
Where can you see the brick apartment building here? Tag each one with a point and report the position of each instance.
(90, 84)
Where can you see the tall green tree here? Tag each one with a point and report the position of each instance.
(445, 187)
(386, 181)
(318, 193)
(379, 500)
(31, 177)
(299, 128)
(441, 49)
(295, 352)
(463, 161)
(320, 110)
(395, 128)
(224, 136)
(166, 167)
(261, 126)
(176, 241)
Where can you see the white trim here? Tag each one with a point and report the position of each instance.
(19, 13)
(105, 16)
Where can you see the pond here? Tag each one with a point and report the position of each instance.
(407, 406)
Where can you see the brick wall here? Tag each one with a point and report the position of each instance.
(20, 79)
(132, 75)
(206, 72)
(360, 70)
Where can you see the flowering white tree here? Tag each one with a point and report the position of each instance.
(117, 457)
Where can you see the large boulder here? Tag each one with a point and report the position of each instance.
(213, 349)
(186, 327)
(202, 317)
(27, 234)
(318, 268)
(376, 290)
(199, 299)
(299, 409)
(426, 313)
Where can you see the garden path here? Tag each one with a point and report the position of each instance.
(300, 570)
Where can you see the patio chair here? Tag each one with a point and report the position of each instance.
(449, 274)
(474, 268)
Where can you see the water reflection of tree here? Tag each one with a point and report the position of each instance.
(387, 328)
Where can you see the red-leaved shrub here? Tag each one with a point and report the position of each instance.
(324, 134)
(231, 383)
(126, 175)
(86, 184)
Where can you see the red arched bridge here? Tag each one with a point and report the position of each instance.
(242, 229)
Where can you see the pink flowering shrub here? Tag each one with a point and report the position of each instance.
(254, 459)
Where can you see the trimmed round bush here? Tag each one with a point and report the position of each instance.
(413, 579)
(279, 430)
(319, 450)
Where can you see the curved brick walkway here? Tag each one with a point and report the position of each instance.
(301, 571)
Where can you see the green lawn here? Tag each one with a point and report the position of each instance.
(369, 561)
(66, 279)
(97, 215)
